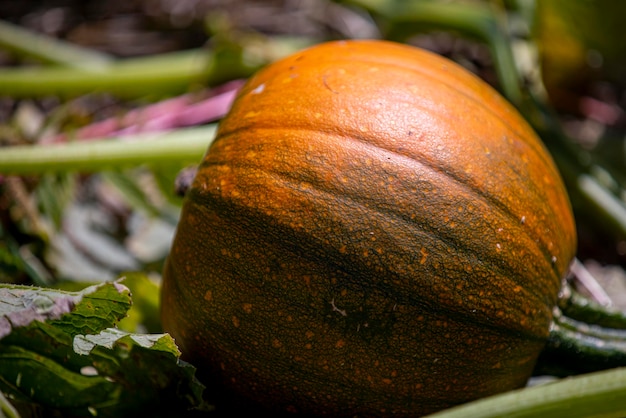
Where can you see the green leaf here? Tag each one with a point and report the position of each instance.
(83, 344)
(148, 364)
(59, 352)
(144, 315)
(94, 308)
(28, 376)
(101, 306)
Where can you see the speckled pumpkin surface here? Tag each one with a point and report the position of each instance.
(374, 232)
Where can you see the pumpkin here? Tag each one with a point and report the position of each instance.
(373, 232)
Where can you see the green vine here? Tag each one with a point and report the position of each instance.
(182, 145)
(599, 394)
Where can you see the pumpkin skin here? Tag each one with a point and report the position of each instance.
(374, 232)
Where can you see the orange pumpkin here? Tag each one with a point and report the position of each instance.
(374, 232)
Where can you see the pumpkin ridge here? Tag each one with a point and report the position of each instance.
(535, 240)
(354, 135)
(462, 181)
(457, 72)
(433, 230)
(504, 117)
(277, 233)
(354, 273)
(328, 378)
(535, 147)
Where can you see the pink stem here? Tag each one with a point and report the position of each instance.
(166, 115)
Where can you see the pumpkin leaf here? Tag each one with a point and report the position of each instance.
(129, 360)
(60, 352)
(144, 315)
(94, 308)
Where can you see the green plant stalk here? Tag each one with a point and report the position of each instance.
(157, 75)
(576, 306)
(590, 341)
(50, 50)
(183, 145)
(6, 409)
(585, 336)
(603, 201)
(161, 74)
(599, 394)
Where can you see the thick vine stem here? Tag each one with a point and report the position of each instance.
(572, 304)
(599, 394)
(133, 77)
(51, 50)
(153, 76)
(7, 410)
(581, 347)
(182, 145)
(585, 336)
